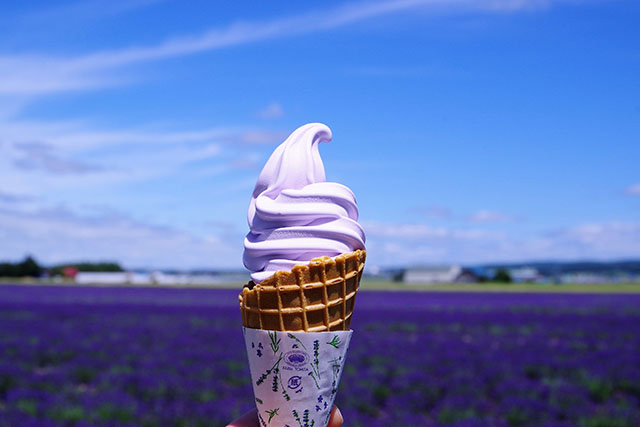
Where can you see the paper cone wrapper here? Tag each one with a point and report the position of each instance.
(295, 375)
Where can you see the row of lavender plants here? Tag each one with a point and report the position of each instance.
(124, 356)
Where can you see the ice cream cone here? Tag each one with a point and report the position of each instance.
(316, 297)
(296, 317)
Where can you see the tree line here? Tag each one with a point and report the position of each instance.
(29, 267)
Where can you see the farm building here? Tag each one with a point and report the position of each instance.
(524, 274)
(111, 278)
(439, 274)
(158, 278)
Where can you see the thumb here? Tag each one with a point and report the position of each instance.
(336, 419)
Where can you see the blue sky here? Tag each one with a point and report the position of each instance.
(470, 131)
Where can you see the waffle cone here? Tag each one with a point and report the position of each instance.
(310, 298)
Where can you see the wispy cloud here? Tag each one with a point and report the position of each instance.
(23, 74)
(80, 136)
(413, 231)
(634, 190)
(411, 244)
(483, 216)
(7, 197)
(601, 233)
(479, 217)
(60, 235)
(40, 158)
(271, 111)
(35, 155)
(423, 231)
(436, 212)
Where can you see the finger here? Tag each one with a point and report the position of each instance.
(336, 419)
(249, 419)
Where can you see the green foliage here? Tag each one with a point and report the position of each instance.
(84, 375)
(600, 389)
(110, 412)
(515, 417)
(604, 421)
(27, 268)
(502, 276)
(6, 382)
(30, 268)
(206, 396)
(8, 270)
(29, 406)
(381, 393)
(71, 414)
(403, 327)
(453, 415)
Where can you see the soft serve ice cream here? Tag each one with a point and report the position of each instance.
(294, 214)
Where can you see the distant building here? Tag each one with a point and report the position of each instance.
(524, 275)
(384, 274)
(439, 274)
(69, 272)
(467, 276)
(586, 278)
(105, 278)
(159, 278)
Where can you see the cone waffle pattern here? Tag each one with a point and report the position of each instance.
(313, 298)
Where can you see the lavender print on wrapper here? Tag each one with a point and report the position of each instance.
(295, 375)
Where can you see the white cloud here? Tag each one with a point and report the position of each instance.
(622, 237)
(480, 216)
(46, 159)
(490, 216)
(436, 212)
(45, 164)
(271, 111)
(410, 244)
(421, 252)
(414, 231)
(77, 136)
(634, 190)
(12, 197)
(23, 74)
(41, 156)
(59, 235)
(423, 231)
(203, 153)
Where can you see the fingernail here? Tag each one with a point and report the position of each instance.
(338, 416)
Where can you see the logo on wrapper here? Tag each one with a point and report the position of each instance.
(296, 358)
(294, 382)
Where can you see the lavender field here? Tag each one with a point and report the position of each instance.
(142, 356)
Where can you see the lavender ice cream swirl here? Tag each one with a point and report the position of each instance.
(294, 215)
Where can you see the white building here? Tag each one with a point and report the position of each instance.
(442, 274)
(157, 278)
(524, 274)
(184, 279)
(104, 278)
